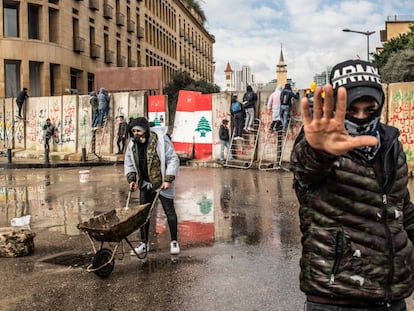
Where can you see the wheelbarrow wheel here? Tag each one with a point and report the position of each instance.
(101, 259)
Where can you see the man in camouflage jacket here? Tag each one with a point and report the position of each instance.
(350, 177)
(151, 163)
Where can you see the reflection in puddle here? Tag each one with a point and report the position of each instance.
(227, 205)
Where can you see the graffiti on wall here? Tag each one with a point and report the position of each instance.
(68, 117)
(401, 115)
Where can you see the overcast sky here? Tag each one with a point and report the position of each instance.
(251, 32)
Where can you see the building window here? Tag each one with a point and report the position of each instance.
(34, 76)
(74, 76)
(54, 74)
(91, 82)
(53, 25)
(12, 77)
(10, 19)
(33, 20)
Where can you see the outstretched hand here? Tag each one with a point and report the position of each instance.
(325, 130)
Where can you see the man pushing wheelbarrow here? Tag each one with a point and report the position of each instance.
(151, 163)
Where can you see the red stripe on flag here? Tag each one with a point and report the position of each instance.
(156, 103)
(203, 102)
(195, 232)
(203, 151)
(186, 100)
(183, 149)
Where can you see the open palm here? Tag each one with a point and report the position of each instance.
(325, 130)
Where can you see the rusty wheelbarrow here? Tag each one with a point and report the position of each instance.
(114, 227)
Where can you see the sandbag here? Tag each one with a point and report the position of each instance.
(16, 242)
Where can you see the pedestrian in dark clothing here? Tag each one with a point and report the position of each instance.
(237, 111)
(224, 140)
(122, 134)
(356, 217)
(20, 100)
(93, 101)
(286, 98)
(249, 105)
(103, 105)
(48, 132)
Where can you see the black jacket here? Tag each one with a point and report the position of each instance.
(224, 132)
(357, 222)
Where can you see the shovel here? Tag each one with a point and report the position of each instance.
(129, 197)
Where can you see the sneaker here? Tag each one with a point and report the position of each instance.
(141, 249)
(250, 129)
(174, 248)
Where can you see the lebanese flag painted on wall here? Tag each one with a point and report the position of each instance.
(157, 109)
(203, 137)
(183, 133)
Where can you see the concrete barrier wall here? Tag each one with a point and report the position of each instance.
(72, 116)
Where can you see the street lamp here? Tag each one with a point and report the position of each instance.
(367, 33)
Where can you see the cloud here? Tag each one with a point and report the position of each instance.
(252, 32)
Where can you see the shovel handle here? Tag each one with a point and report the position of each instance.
(129, 197)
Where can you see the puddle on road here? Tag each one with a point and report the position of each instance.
(70, 259)
(227, 205)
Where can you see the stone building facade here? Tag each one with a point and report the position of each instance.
(53, 47)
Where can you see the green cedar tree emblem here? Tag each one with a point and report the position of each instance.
(205, 205)
(203, 127)
(157, 122)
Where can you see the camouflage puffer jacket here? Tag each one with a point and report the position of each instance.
(357, 229)
(162, 162)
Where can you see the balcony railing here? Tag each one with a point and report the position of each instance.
(120, 19)
(141, 32)
(108, 11)
(95, 51)
(94, 5)
(130, 25)
(400, 18)
(109, 56)
(120, 61)
(78, 44)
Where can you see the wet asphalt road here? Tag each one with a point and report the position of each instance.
(238, 229)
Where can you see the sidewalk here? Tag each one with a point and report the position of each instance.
(35, 159)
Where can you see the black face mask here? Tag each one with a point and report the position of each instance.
(140, 139)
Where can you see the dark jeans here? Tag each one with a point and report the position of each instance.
(47, 148)
(95, 118)
(121, 144)
(147, 196)
(20, 106)
(238, 124)
(312, 306)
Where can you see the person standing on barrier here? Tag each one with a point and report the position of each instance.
(274, 105)
(286, 98)
(356, 217)
(20, 100)
(237, 112)
(152, 163)
(249, 103)
(103, 106)
(93, 101)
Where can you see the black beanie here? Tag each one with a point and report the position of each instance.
(360, 78)
(140, 122)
